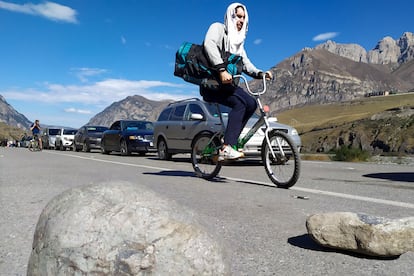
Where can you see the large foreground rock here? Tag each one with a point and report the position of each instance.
(369, 235)
(120, 229)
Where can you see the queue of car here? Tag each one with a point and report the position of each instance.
(172, 133)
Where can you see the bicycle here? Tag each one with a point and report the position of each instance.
(34, 144)
(279, 153)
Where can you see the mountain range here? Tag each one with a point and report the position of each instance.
(330, 72)
(333, 72)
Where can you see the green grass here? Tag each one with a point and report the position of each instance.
(321, 127)
(310, 117)
(345, 153)
(10, 133)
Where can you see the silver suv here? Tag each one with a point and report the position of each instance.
(49, 137)
(181, 121)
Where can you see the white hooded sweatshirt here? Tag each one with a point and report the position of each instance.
(227, 35)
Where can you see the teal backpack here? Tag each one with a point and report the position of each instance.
(192, 65)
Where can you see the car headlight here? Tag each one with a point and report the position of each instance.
(295, 132)
(135, 137)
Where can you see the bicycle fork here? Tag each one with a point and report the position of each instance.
(264, 120)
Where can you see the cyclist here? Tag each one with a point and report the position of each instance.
(231, 35)
(35, 128)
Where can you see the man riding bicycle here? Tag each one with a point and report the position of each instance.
(35, 128)
(231, 35)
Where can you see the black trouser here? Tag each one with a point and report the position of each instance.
(242, 108)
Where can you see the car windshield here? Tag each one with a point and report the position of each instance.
(139, 125)
(97, 129)
(69, 131)
(54, 131)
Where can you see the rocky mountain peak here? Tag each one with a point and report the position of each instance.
(132, 107)
(10, 116)
(406, 44)
(352, 51)
(387, 50)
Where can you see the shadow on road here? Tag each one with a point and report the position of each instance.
(306, 242)
(215, 179)
(173, 173)
(174, 159)
(240, 163)
(394, 176)
(184, 174)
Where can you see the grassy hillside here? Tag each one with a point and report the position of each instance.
(324, 125)
(314, 116)
(10, 133)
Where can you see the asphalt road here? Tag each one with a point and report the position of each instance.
(262, 228)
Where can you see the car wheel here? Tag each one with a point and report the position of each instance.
(162, 149)
(75, 149)
(56, 147)
(103, 150)
(85, 147)
(61, 147)
(124, 148)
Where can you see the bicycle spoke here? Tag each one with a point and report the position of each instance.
(204, 156)
(281, 161)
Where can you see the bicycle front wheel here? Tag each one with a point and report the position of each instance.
(283, 168)
(204, 156)
(33, 145)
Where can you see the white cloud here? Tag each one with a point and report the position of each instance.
(101, 93)
(49, 10)
(79, 111)
(325, 36)
(84, 72)
(257, 41)
(123, 40)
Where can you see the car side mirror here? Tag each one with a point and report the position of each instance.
(196, 116)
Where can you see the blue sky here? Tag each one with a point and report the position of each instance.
(62, 62)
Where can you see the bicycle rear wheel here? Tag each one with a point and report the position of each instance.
(204, 156)
(30, 146)
(284, 168)
(33, 146)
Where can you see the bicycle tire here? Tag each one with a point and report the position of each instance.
(30, 146)
(285, 170)
(204, 156)
(33, 146)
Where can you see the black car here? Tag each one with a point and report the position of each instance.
(88, 137)
(127, 136)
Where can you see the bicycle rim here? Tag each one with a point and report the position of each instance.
(204, 156)
(33, 146)
(284, 169)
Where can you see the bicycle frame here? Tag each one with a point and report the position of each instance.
(282, 165)
(262, 120)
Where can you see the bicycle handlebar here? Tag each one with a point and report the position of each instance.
(248, 87)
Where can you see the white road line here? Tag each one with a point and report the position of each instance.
(341, 195)
(296, 188)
